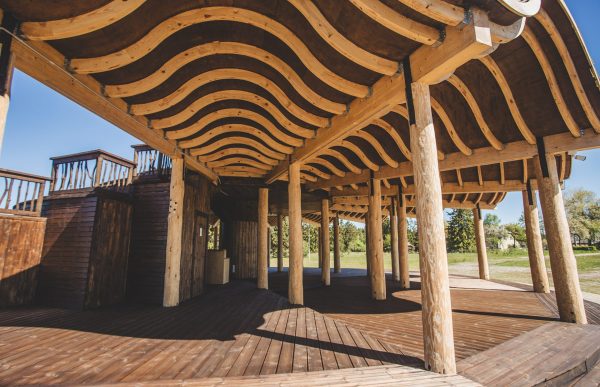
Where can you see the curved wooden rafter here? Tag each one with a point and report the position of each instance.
(458, 142)
(535, 46)
(368, 137)
(494, 69)
(472, 102)
(329, 165)
(236, 128)
(223, 48)
(544, 19)
(341, 158)
(240, 160)
(208, 119)
(228, 73)
(239, 152)
(359, 153)
(225, 95)
(206, 14)
(342, 44)
(240, 168)
(397, 22)
(307, 177)
(80, 24)
(402, 111)
(235, 140)
(437, 10)
(315, 171)
(395, 136)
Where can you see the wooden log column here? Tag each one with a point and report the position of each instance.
(376, 241)
(174, 234)
(262, 275)
(535, 247)
(279, 243)
(438, 337)
(367, 244)
(336, 245)
(403, 242)
(325, 258)
(319, 248)
(295, 286)
(482, 260)
(562, 259)
(7, 61)
(394, 241)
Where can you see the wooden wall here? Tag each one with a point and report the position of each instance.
(85, 248)
(145, 279)
(242, 247)
(21, 240)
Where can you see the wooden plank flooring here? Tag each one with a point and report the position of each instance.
(482, 318)
(234, 331)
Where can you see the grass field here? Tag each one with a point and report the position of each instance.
(512, 265)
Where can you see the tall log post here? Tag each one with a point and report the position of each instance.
(535, 247)
(482, 260)
(438, 338)
(403, 243)
(394, 241)
(262, 275)
(562, 259)
(319, 248)
(7, 61)
(367, 245)
(376, 241)
(295, 286)
(174, 234)
(336, 245)
(279, 243)
(325, 260)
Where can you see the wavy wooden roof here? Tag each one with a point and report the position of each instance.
(240, 87)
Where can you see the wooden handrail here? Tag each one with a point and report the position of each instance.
(21, 193)
(150, 162)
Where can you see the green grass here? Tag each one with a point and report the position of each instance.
(510, 265)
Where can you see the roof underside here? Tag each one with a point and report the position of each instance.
(240, 85)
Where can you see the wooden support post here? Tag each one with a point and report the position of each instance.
(336, 245)
(376, 241)
(535, 247)
(325, 258)
(484, 271)
(279, 243)
(262, 275)
(295, 287)
(438, 337)
(394, 241)
(174, 234)
(216, 234)
(367, 245)
(403, 243)
(562, 259)
(7, 61)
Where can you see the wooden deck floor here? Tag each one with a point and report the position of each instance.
(482, 317)
(234, 331)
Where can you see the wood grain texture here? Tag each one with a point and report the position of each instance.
(435, 293)
(337, 265)
(174, 234)
(325, 250)
(296, 289)
(394, 240)
(377, 269)
(263, 227)
(482, 260)
(403, 242)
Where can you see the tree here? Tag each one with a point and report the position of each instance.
(461, 236)
(286, 239)
(351, 237)
(494, 231)
(517, 232)
(413, 233)
(387, 234)
(583, 214)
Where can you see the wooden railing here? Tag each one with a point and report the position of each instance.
(21, 193)
(91, 170)
(150, 162)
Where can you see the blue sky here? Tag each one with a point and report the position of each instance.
(42, 123)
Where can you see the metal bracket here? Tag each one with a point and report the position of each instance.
(542, 156)
(409, 97)
(529, 193)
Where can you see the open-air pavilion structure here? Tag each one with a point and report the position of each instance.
(317, 110)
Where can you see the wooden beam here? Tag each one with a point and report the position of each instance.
(174, 234)
(518, 150)
(484, 271)
(325, 258)
(295, 287)
(429, 65)
(535, 247)
(435, 288)
(336, 244)
(43, 63)
(262, 274)
(562, 260)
